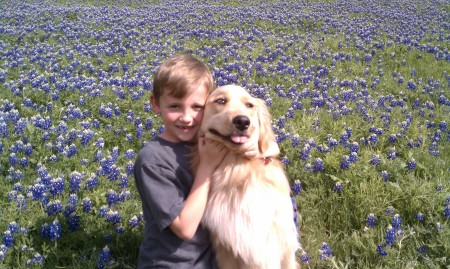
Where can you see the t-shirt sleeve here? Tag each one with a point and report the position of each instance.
(159, 193)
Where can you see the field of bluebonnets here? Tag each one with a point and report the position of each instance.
(359, 92)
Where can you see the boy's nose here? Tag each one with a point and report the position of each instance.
(185, 117)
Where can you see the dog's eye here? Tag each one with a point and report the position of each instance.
(221, 101)
(250, 105)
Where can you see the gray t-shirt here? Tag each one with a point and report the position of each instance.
(164, 178)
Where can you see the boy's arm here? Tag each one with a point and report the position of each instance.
(186, 224)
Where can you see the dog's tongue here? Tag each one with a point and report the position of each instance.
(239, 139)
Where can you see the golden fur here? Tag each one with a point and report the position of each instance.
(249, 210)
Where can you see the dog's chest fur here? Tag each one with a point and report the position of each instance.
(248, 201)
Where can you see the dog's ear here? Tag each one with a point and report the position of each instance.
(266, 136)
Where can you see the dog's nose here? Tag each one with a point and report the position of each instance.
(241, 122)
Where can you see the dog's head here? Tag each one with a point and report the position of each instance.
(233, 117)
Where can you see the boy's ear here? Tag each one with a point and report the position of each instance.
(155, 104)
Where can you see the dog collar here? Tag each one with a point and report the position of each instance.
(267, 160)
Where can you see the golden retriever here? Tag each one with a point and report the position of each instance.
(249, 209)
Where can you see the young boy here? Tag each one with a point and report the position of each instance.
(173, 199)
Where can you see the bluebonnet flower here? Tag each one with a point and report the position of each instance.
(23, 162)
(373, 139)
(53, 208)
(390, 236)
(104, 258)
(344, 139)
(86, 136)
(318, 165)
(332, 142)
(397, 222)
(139, 132)
(129, 168)
(308, 167)
(114, 173)
(354, 147)
(385, 175)
(36, 259)
(304, 153)
(375, 161)
(281, 122)
(123, 180)
(371, 220)
(73, 199)
(392, 154)
(112, 197)
(115, 153)
(75, 181)
(325, 251)
(129, 154)
(353, 157)
(8, 239)
(439, 226)
(71, 150)
(134, 221)
(411, 164)
(92, 181)
(21, 202)
(419, 216)
(290, 114)
(55, 230)
(443, 126)
(125, 194)
(18, 187)
(56, 186)
(148, 124)
(295, 140)
(37, 191)
(389, 211)
(84, 162)
(380, 250)
(45, 228)
(87, 204)
(304, 257)
(338, 187)
(392, 138)
(422, 249)
(73, 222)
(103, 211)
(285, 160)
(447, 210)
(345, 162)
(13, 159)
(113, 217)
(297, 187)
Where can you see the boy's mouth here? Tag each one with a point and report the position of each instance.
(186, 128)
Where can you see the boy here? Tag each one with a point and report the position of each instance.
(173, 200)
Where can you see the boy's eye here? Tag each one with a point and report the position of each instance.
(198, 108)
(221, 101)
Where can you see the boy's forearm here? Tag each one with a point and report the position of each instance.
(186, 224)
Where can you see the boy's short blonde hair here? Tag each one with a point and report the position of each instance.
(178, 74)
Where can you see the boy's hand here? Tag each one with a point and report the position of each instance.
(251, 149)
(211, 152)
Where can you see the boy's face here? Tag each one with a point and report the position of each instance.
(181, 117)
